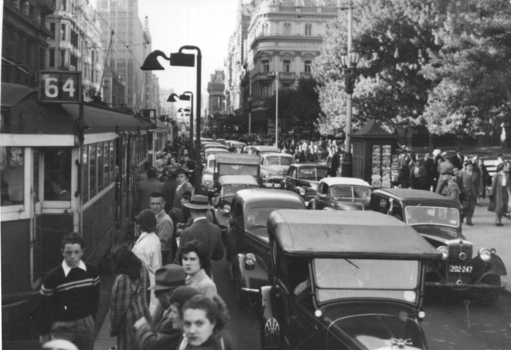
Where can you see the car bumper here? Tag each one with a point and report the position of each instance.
(463, 286)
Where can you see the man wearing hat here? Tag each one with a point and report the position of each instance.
(443, 168)
(182, 186)
(452, 190)
(162, 335)
(470, 180)
(458, 159)
(201, 229)
(145, 188)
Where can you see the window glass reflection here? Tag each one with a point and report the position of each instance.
(57, 174)
(12, 175)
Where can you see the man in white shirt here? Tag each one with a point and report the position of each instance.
(164, 226)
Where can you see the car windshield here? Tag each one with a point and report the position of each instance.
(259, 216)
(419, 215)
(359, 278)
(229, 190)
(313, 173)
(237, 169)
(351, 192)
(278, 161)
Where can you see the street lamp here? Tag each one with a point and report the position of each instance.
(183, 60)
(185, 96)
(349, 68)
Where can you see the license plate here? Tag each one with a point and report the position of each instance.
(460, 269)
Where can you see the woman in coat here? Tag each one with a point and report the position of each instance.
(499, 195)
(196, 262)
(418, 175)
(129, 300)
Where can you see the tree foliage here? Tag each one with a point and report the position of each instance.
(297, 107)
(471, 72)
(395, 38)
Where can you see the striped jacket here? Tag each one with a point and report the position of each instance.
(68, 298)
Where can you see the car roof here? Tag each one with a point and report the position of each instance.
(236, 142)
(236, 158)
(310, 165)
(266, 196)
(408, 194)
(360, 234)
(237, 179)
(330, 181)
(214, 145)
(222, 150)
(265, 148)
(275, 154)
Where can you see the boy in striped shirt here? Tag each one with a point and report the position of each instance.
(70, 298)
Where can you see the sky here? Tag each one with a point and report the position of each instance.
(207, 24)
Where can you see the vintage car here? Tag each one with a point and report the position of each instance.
(222, 141)
(260, 149)
(274, 167)
(210, 151)
(438, 220)
(215, 145)
(227, 187)
(236, 144)
(347, 288)
(247, 237)
(236, 164)
(342, 193)
(303, 178)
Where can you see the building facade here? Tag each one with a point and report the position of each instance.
(126, 49)
(24, 35)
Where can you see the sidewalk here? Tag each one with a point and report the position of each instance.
(103, 340)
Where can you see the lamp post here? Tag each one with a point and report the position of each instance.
(183, 60)
(349, 67)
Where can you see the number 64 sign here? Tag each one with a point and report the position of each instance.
(60, 87)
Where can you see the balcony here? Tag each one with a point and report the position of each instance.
(86, 59)
(264, 77)
(46, 6)
(287, 77)
(305, 75)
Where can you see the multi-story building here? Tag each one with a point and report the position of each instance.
(128, 46)
(24, 35)
(216, 99)
(113, 89)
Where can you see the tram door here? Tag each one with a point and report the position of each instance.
(121, 157)
(36, 224)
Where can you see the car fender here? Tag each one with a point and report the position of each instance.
(250, 278)
(270, 327)
(497, 267)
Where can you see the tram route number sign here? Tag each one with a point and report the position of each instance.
(149, 113)
(60, 87)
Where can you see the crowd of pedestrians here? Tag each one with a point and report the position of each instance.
(462, 179)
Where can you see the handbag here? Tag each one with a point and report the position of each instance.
(114, 332)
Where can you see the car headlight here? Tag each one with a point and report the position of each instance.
(226, 208)
(301, 191)
(444, 250)
(208, 183)
(250, 259)
(484, 254)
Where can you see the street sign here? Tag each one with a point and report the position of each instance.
(60, 87)
(149, 113)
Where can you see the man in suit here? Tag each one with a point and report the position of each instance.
(429, 164)
(164, 226)
(453, 190)
(458, 159)
(202, 230)
(471, 190)
(182, 186)
(162, 334)
(145, 188)
(169, 188)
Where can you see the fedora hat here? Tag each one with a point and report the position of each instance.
(181, 171)
(187, 195)
(198, 202)
(169, 276)
(468, 162)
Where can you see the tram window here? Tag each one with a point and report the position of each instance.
(106, 155)
(112, 161)
(100, 166)
(12, 175)
(57, 174)
(93, 171)
(85, 174)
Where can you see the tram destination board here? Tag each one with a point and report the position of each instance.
(60, 87)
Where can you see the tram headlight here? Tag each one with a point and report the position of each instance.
(444, 250)
(484, 254)
(250, 260)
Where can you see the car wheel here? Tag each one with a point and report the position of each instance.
(489, 297)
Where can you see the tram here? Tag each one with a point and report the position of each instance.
(57, 178)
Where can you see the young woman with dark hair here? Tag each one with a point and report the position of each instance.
(196, 262)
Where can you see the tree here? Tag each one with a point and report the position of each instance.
(297, 107)
(471, 72)
(395, 38)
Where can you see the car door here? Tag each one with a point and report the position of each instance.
(235, 230)
(289, 180)
(322, 197)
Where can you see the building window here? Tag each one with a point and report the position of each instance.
(308, 65)
(62, 32)
(62, 57)
(265, 90)
(92, 53)
(74, 38)
(64, 5)
(52, 30)
(52, 58)
(308, 29)
(265, 65)
(287, 28)
(265, 29)
(287, 66)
